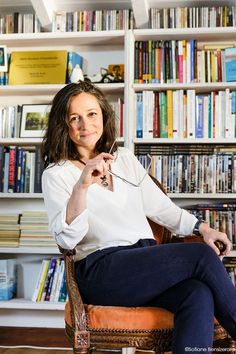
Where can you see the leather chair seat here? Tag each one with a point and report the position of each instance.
(124, 318)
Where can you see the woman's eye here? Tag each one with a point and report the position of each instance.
(74, 119)
(92, 114)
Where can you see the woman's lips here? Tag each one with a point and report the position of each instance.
(86, 135)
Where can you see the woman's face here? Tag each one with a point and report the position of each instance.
(85, 122)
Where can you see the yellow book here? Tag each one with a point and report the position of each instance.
(213, 68)
(38, 67)
(218, 46)
(169, 113)
(43, 277)
(81, 21)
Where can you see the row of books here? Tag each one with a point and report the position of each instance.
(11, 117)
(179, 17)
(183, 61)
(51, 282)
(192, 17)
(19, 23)
(220, 216)
(20, 170)
(185, 114)
(230, 266)
(195, 173)
(99, 20)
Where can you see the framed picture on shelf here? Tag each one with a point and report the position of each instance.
(34, 119)
(3, 58)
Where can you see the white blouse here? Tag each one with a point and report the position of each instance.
(112, 218)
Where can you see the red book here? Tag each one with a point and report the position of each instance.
(12, 169)
(219, 66)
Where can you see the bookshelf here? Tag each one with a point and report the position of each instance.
(142, 146)
(98, 49)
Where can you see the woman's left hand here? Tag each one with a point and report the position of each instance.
(210, 236)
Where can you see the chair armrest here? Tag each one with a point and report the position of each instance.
(78, 315)
(192, 238)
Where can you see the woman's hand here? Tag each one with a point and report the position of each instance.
(210, 236)
(93, 170)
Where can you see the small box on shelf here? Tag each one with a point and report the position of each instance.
(7, 279)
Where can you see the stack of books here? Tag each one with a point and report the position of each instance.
(34, 230)
(51, 282)
(9, 230)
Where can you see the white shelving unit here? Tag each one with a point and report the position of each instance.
(99, 49)
(202, 35)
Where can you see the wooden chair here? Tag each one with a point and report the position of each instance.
(112, 327)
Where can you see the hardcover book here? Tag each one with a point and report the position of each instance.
(38, 67)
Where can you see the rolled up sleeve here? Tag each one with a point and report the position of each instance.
(56, 195)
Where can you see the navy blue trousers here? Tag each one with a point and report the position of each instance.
(187, 279)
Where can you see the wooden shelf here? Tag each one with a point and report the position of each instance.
(32, 90)
(21, 195)
(203, 33)
(184, 141)
(199, 87)
(23, 304)
(55, 39)
(30, 250)
(31, 141)
(228, 196)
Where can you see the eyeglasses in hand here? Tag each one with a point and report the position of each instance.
(149, 162)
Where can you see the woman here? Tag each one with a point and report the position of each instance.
(98, 197)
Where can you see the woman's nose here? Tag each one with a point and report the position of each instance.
(83, 123)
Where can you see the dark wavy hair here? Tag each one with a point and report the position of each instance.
(57, 144)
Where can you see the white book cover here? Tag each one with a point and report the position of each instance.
(181, 115)
(191, 112)
(176, 113)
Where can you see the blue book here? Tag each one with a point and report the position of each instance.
(73, 59)
(199, 117)
(209, 116)
(139, 115)
(19, 163)
(6, 170)
(63, 290)
(192, 54)
(233, 110)
(230, 64)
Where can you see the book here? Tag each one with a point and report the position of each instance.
(230, 64)
(38, 67)
(38, 170)
(73, 59)
(40, 281)
(48, 281)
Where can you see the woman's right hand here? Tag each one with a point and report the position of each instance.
(94, 169)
